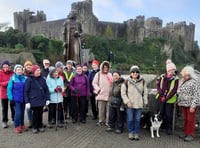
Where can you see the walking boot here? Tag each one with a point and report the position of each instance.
(5, 125)
(23, 128)
(188, 138)
(17, 130)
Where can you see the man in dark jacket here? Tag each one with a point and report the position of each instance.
(95, 69)
(45, 69)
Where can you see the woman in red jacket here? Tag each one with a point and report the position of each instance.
(5, 75)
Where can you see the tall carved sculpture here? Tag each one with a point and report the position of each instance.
(71, 37)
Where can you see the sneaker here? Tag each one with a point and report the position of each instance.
(109, 129)
(182, 136)
(136, 137)
(130, 136)
(17, 130)
(169, 132)
(100, 123)
(188, 138)
(49, 125)
(60, 125)
(35, 131)
(107, 125)
(23, 128)
(83, 121)
(41, 129)
(5, 125)
(117, 131)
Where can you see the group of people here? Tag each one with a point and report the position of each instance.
(66, 91)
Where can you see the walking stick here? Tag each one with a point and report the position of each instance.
(57, 112)
(78, 118)
(65, 120)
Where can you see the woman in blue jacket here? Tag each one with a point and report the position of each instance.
(56, 88)
(36, 95)
(15, 92)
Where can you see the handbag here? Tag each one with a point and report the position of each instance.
(117, 101)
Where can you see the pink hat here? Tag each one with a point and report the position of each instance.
(95, 62)
(34, 68)
(170, 66)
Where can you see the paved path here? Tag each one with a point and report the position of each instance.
(89, 136)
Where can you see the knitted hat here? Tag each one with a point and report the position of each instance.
(170, 66)
(59, 64)
(52, 69)
(95, 62)
(18, 66)
(78, 65)
(85, 64)
(118, 72)
(134, 68)
(34, 68)
(5, 62)
(28, 63)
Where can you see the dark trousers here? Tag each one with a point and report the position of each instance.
(4, 103)
(78, 107)
(37, 117)
(52, 112)
(67, 106)
(116, 118)
(166, 110)
(93, 105)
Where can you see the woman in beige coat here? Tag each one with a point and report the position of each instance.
(134, 95)
(102, 83)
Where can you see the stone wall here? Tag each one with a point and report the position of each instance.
(133, 29)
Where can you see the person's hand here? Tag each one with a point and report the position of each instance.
(12, 103)
(179, 104)
(129, 105)
(28, 105)
(76, 91)
(56, 89)
(47, 102)
(60, 89)
(192, 110)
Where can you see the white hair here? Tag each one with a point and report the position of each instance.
(46, 60)
(189, 70)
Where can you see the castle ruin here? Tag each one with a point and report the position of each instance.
(133, 29)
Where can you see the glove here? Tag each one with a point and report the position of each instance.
(47, 102)
(76, 91)
(28, 105)
(56, 89)
(12, 103)
(60, 89)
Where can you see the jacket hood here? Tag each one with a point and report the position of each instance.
(104, 63)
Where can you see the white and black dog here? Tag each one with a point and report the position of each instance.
(151, 121)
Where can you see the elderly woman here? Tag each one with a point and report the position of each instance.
(36, 95)
(188, 100)
(115, 114)
(134, 94)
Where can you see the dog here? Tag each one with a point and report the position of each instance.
(151, 121)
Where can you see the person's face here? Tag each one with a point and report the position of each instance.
(105, 69)
(37, 72)
(19, 71)
(59, 69)
(69, 66)
(5, 67)
(28, 68)
(85, 68)
(94, 66)
(116, 76)
(46, 64)
(79, 70)
(171, 72)
(184, 75)
(135, 74)
(55, 74)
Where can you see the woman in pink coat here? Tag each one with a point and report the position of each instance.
(102, 83)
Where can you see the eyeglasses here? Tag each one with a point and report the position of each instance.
(135, 72)
(5, 67)
(46, 63)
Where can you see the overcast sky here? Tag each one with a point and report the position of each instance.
(111, 10)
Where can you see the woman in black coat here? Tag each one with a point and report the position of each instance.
(36, 96)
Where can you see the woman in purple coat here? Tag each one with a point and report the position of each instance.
(80, 91)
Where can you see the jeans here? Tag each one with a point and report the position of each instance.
(133, 120)
(4, 103)
(29, 114)
(19, 114)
